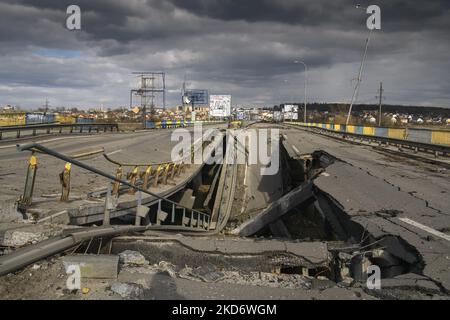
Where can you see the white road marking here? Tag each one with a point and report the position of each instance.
(108, 154)
(295, 149)
(425, 228)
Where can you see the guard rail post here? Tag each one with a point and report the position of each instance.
(26, 198)
(64, 178)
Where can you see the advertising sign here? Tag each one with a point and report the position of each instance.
(288, 115)
(220, 105)
(288, 108)
(196, 96)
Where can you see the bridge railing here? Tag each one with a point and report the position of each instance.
(169, 124)
(58, 127)
(195, 219)
(437, 141)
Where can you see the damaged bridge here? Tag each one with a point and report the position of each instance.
(223, 230)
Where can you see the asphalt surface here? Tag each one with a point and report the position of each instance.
(152, 146)
(390, 195)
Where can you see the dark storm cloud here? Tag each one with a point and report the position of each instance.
(398, 14)
(245, 47)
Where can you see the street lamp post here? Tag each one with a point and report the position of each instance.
(306, 81)
(360, 73)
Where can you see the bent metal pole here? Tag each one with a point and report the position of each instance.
(36, 146)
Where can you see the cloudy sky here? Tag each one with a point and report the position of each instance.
(245, 48)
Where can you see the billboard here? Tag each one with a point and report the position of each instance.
(220, 105)
(288, 108)
(290, 112)
(196, 96)
(287, 115)
(291, 116)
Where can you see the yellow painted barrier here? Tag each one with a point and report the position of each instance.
(396, 133)
(12, 119)
(440, 137)
(369, 131)
(337, 127)
(64, 119)
(351, 129)
(328, 126)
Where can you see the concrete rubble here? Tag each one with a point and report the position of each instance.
(317, 237)
(129, 291)
(132, 258)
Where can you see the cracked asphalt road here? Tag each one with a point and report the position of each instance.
(384, 192)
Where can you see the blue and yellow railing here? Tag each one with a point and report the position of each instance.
(431, 136)
(170, 124)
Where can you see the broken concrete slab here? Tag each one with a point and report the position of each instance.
(8, 211)
(19, 235)
(276, 210)
(130, 291)
(94, 266)
(248, 253)
(187, 200)
(132, 258)
(61, 217)
(411, 281)
(316, 253)
(20, 238)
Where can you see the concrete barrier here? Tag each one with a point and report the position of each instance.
(440, 137)
(421, 135)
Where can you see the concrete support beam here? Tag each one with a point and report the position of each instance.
(276, 210)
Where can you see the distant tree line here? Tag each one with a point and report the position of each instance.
(342, 108)
(388, 108)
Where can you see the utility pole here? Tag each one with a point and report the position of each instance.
(306, 82)
(359, 79)
(46, 107)
(380, 95)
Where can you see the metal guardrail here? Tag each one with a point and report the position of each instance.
(192, 220)
(79, 127)
(153, 174)
(416, 146)
(202, 220)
